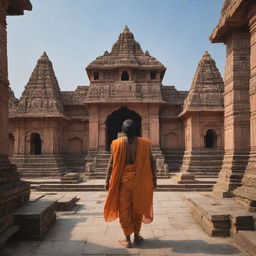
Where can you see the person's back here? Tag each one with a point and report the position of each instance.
(131, 150)
(130, 180)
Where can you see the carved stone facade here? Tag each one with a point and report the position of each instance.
(237, 30)
(13, 191)
(203, 120)
(124, 83)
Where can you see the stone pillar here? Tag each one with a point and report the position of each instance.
(93, 127)
(237, 112)
(247, 193)
(154, 125)
(145, 128)
(13, 192)
(102, 135)
(4, 92)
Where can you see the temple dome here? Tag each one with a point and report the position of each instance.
(126, 52)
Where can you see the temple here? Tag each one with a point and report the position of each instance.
(206, 132)
(52, 131)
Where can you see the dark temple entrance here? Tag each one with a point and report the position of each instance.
(35, 144)
(210, 139)
(114, 124)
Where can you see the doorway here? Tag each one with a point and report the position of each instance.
(210, 139)
(35, 144)
(114, 124)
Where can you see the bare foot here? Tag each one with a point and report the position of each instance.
(138, 239)
(125, 243)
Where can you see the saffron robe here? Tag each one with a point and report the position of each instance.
(143, 183)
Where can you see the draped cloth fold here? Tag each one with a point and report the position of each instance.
(139, 181)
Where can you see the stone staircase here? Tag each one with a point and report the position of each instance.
(75, 161)
(45, 165)
(174, 159)
(100, 162)
(203, 163)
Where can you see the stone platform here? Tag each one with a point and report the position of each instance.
(223, 218)
(54, 185)
(83, 232)
(35, 219)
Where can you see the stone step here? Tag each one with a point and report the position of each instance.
(35, 219)
(39, 165)
(40, 175)
(101, 163)
(219, 217)
(247, 240)
(7, 234)
(89, 187)
(5, 222)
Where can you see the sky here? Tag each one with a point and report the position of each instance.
(75, 32)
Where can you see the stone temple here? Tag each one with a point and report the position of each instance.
(207, 132)
(52, 131)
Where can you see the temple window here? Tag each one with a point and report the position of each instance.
(152, 75)
(96, 75)
(125, 76)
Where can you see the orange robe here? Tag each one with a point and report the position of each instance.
(130, 195)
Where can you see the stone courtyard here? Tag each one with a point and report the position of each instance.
(203, 140)
(83, 232)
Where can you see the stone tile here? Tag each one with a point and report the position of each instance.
(173, 232)
(60, 248)
(22, 248)
(107, 246)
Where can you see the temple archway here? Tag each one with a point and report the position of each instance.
(210, 139)
(114, 123)
(35, 144)
(11, 144)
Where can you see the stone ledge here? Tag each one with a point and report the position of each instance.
(247, 240)
(35, 219)
(220, 218)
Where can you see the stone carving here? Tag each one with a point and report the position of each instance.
(88, 167)
(207, 88)
(42, 93)
(160, 165)
(126, 52)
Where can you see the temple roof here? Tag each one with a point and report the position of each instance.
(126, 52)
(206, 93)
(41, 96)
(233, 14)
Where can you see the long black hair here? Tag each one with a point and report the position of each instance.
(128, 128)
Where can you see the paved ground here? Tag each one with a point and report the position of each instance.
(173, 232)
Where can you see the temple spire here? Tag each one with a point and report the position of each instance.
(206, 92)
(126, 52)
(41, 96)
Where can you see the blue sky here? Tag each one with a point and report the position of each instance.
(75, 32)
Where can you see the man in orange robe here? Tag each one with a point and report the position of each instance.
(130, 181)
